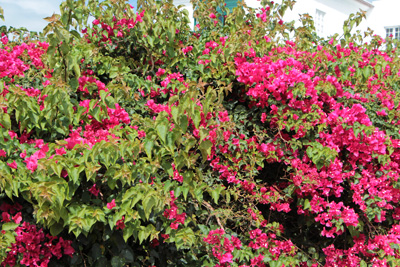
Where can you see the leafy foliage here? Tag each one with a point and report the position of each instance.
(136, 140)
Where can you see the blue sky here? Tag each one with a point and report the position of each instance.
(30, 13)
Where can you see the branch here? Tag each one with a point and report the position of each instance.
(209, 207)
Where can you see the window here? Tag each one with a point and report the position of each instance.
(393, 32)
(319, 22)
(230, 4)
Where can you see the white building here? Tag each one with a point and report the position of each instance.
(329, 15)
(384, 18)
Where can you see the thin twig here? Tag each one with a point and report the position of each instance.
(208, 206)
(83, 258)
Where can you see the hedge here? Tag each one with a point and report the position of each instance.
(131, 139)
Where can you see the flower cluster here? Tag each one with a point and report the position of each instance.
(377, 250)
(222, 247)
(172, 213)
(118, 29)
(12, 59)
(36, 247)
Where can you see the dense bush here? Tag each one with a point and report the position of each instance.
(135, 140)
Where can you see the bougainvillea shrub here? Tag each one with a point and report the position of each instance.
(129, 138)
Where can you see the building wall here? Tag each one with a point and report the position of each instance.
(336, 12)
(187, 5)
(383, 14)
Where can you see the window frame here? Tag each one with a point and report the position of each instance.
(319, 21)
(394, 31)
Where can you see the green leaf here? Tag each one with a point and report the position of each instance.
(9, 226)
(307, 204)
(77, 70)
(184, 123)
(96, 113)
(197, 118)
(148, 203)
(117, 262)
(171, 138)
(64, 49)
(95, 251)
(128, 255)
(175, 112)
(353, 231)
(190, 143)
(56, 228)
(110, 102)
(205, 149)
(185, 191)
(5, 121)
(215, 195)
(198, 194)
(127, 232)
(148, 146)
(186, 238)
(103, 95)
(1, 14)
(57, 168)
(74, 172)
(162, 130)
(170, 51)
(143, 234)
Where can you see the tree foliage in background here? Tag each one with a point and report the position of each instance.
(134, 140)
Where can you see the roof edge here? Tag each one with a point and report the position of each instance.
(365, 3)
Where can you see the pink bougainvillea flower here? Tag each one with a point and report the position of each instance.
(64, 173)
(154, 243)
(46, 83)
(33, 247)
(165, 237)
(225, 258)
(12, 134)
(17, 218)
(61, 151)
(111, 205)
(94, 190)
(31, 163)
(23, 154)
(4, 39)
(121, 224)
(141, 134)
(39, 143)
(160, 72)
(185, 50)
(223, 116)
(66, 245)
(5, 217)
(212, 16)
(174, 226)
(13, 165)
(381, 113)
